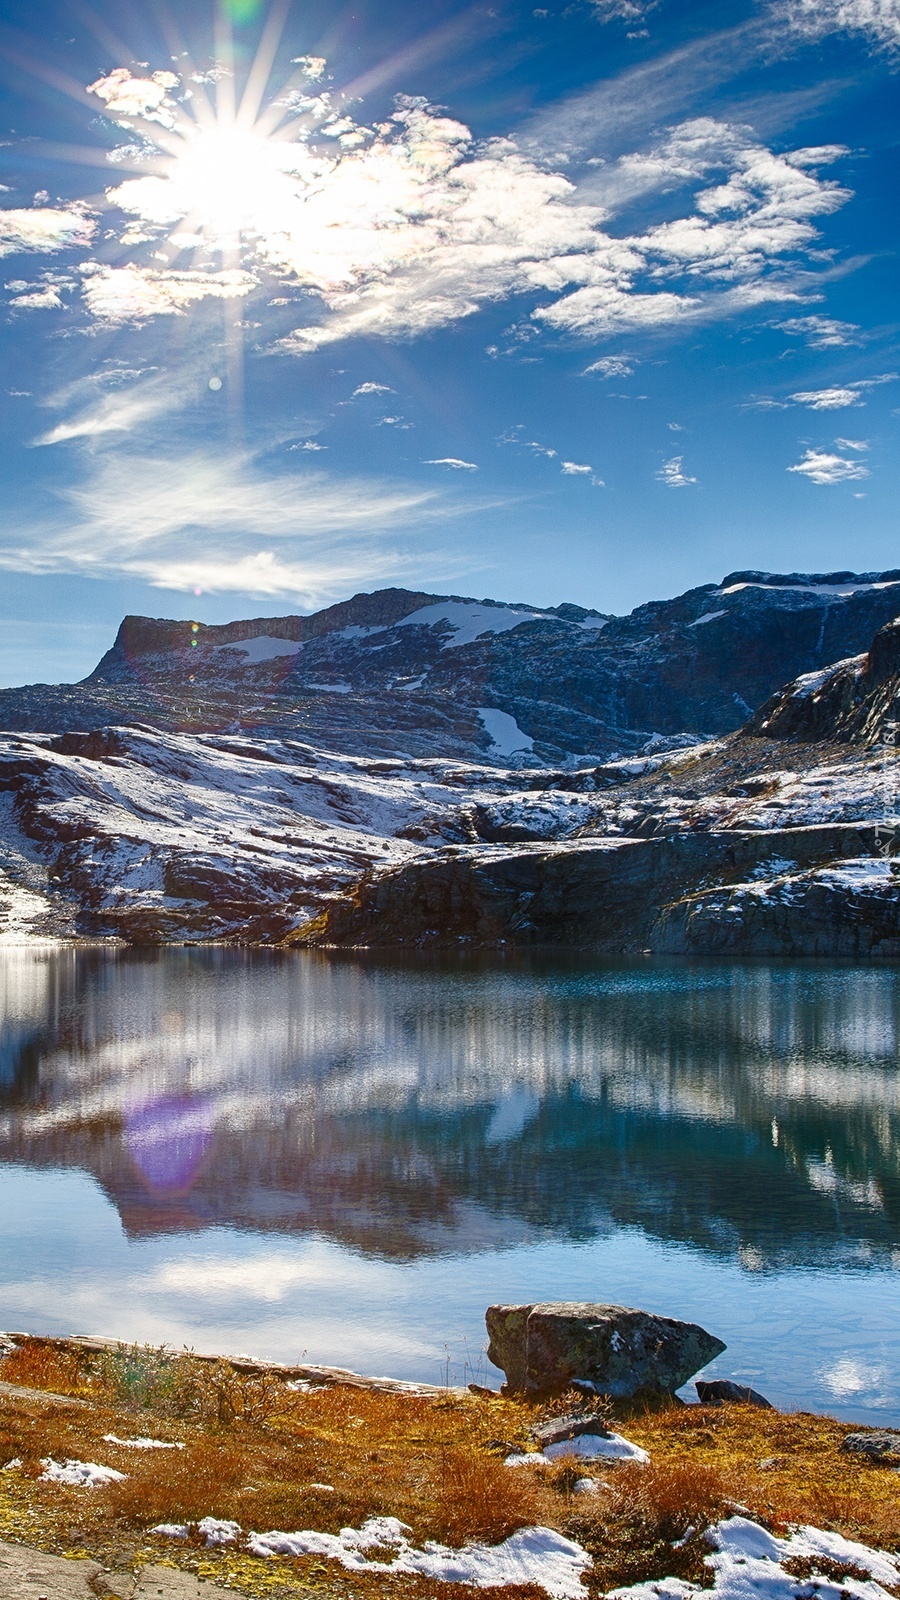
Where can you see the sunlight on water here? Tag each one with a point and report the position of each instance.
(348, 1160)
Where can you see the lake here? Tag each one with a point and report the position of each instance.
(346, 1159)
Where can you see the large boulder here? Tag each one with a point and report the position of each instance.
(621, 1352)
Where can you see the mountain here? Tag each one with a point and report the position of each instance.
(446, 675)
(408, 769)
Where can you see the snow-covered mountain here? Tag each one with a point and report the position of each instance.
(436, 675)
(364, 777)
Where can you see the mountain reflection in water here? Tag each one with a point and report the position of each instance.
(414, 1109)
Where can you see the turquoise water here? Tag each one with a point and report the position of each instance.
(347, 1159)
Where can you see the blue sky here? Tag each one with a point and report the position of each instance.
(592, 300)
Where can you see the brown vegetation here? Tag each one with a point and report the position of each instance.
(268, 1457)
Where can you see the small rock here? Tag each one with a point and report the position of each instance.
(722, 1392)
(877, 1445)
(620, 1351)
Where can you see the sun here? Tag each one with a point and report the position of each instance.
(231, 185)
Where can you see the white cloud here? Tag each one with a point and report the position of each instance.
(44, 230)
(672, 475)
(46, 299)
(127, 97)
(574, 469)
(819, 466)
(827, 399)
(822, 333)
(879, 20)
(612, 367)
(852, 444)
(452, 461)
(313, 67)
(373, 388)
(411, 225)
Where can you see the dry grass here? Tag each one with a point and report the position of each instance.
(259, 1454)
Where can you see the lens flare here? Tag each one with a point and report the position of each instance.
(241, 11)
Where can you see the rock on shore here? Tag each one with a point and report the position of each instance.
(619, 1351)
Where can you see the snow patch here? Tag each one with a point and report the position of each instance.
(468, 622)
(78, 1474)
(507, 738)
(533, 1555)
(748, 1565)
(804, 686)
(587, 1447)
(217, 1532)
(263, 648)
(839, 591)
(708, 616)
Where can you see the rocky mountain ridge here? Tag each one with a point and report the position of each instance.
(449, 676)
(422, 818)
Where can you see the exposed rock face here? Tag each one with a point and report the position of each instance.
(627, 895)
(620, 1351)
(853, 700)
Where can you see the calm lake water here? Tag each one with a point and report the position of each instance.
(347, 1159)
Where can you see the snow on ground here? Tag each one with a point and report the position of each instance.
(468, 621)
(749, 1564)
(21, 912)
(507, 738)
(263, 647)
(586, 1447)
(156, 821)
(79, 1474)
(708, 616)
(533, 1555)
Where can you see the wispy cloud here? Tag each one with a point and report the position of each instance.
(452, 461)
(827, 399)
(123, 410)
(373, 388)
(633, 12)
(673, 476)
(822, 333)
(835, 398)
(226, 523)
(877, 20)
(822, 466)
